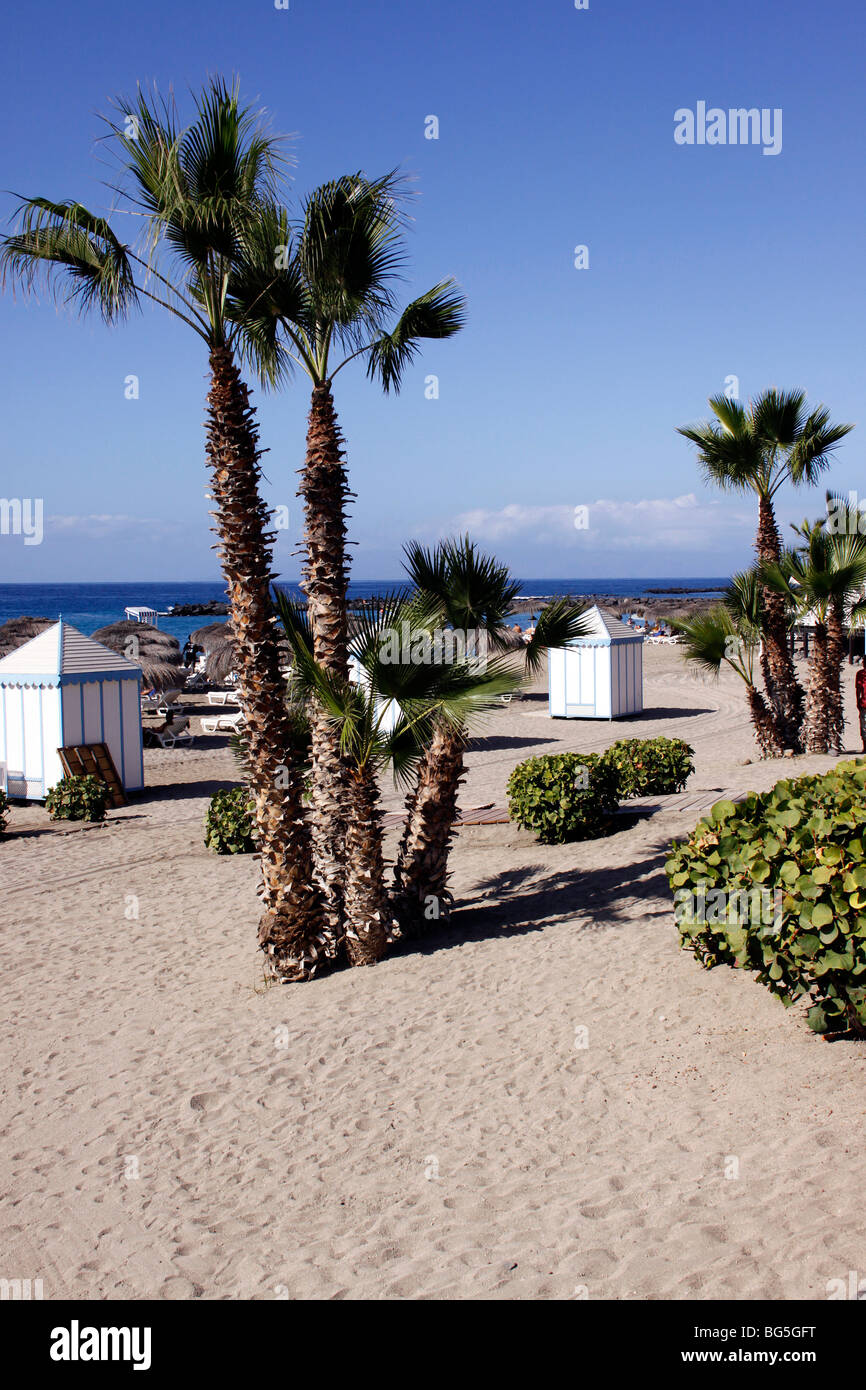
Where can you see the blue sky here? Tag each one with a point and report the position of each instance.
(556, 129)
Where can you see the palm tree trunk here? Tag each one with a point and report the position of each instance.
(290, 932)
(764, 725)
(325, 492)
(816, 726)
(835, 658)
(780, 679)
(367, 919)
(420, 898)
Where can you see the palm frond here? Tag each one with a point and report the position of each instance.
(65, 245)
(560, 623)
(350, 250)
(712, 639)
(440, 313)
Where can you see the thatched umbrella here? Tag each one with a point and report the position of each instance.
(218, 644)
(220, 662)
(157, 653)
(508, 640)
(17, 631)
(211, 635)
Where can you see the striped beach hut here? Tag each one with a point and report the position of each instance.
(62, 689)
(599, 676)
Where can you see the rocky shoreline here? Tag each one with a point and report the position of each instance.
(670, 605)
(680, 603)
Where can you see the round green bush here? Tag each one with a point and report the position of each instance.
(563, 796)
(777, 884)
(230, 826)
(651, 766)
(78, 798)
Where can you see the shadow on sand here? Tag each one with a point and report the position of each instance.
(525, 899)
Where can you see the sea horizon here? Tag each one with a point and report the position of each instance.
(91, 606)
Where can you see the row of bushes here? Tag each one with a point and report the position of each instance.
(572, 796)
(777, 885)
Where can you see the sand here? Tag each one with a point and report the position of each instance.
(427, 1128)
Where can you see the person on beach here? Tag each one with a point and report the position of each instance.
(860, 688)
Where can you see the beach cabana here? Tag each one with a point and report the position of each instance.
(599, 676)
(62, 689)
(142, 615)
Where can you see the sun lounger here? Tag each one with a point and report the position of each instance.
(168, 703)
(222, 697)
(170, 735)
(223, 724)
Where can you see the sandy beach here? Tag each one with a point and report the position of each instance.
(427, 1128)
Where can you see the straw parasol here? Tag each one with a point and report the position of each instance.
(157, 653)
(211, 635)
(217, 641)
(17, 631)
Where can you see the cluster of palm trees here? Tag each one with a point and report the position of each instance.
(272, 295)
(759, 447)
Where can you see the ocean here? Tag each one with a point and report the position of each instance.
(91, 606)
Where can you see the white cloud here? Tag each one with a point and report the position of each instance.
(652, 523)
(103, 524)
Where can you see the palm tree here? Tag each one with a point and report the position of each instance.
(730, 634)
(198, 194)
(384, 716)
(472, 594)
(821, 578)
(758, 448)
(332, 302)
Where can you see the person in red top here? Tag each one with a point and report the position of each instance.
(860, 688)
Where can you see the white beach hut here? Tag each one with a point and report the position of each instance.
(387, 711)
(599, 676)
(59, 690)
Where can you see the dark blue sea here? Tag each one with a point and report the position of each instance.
(91, 606)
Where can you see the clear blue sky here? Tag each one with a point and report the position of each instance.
(556, 129)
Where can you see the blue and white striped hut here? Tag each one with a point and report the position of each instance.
(62, 689)
(599, 676)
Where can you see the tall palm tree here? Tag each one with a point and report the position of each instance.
(821, 578)
(472, 594)
(730, 634)
(197, 194)
(758, 448)
(333, 301)
(384, 716)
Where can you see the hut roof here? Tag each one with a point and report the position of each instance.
(61, 651)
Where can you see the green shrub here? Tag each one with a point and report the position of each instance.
(230, 826)
(777, 885)
(78, 798)
(563, 796)
(4, 811)
(651, 766)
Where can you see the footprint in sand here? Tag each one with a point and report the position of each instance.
(208, 1101)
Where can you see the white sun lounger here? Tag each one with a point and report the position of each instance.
(223, 697)
(223, 724)
(173, 734)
